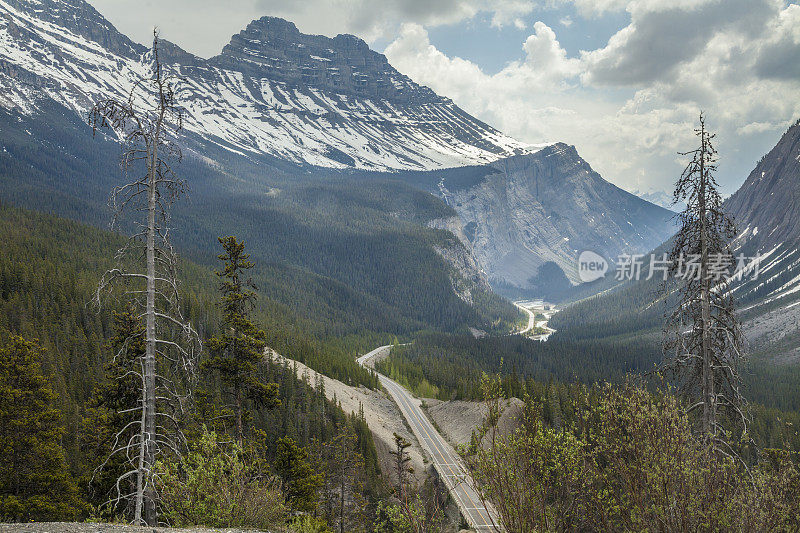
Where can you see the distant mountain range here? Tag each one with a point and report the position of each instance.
(660, 198)
(277, 105)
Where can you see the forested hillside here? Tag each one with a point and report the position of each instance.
(48, 274)
(450, 367)
(357, 245)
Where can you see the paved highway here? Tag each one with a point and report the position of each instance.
(447, 462)
(531, 319)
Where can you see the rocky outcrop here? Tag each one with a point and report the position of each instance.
(274, 48)
(548, 207)
(80, 18)
(467, 275)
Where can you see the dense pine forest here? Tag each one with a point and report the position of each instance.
(48, 273)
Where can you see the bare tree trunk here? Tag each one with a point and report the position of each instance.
(150, 354)
(709, 410)
(146, 130)
(148, 441)
(145, 509)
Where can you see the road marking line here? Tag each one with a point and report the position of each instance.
(409, 410)
(443, 452)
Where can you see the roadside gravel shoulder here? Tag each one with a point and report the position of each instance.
(92, 527)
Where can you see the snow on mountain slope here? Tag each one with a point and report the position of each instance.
(273, 91)
(767, 212)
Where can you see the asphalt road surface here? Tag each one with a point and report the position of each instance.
(447, 462)
(531, 319)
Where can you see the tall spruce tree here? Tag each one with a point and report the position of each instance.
(108, 420)
(703, 337)
(300, 481)
(237, 351)
(34, 481)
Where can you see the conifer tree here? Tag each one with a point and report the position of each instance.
(344, 481)
(108, 420)
(703, 335)
(34, 482)
(300, 480)
(421, 510)
(237, 351)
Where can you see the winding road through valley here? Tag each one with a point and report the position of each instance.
(446, 460)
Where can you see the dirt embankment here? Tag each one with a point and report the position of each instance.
(458, 419)
(382, 415)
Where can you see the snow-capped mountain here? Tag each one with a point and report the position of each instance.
(766, 209)
(273, 91)
(319, 105)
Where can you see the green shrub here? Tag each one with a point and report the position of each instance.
(216, 485)
(308, 524)
(630, 462)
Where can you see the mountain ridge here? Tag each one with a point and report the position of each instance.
(258, 98)
(279, 102)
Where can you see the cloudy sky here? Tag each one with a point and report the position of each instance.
(622, 80)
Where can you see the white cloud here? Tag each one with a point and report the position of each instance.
(545, 67)
(631, 105)
(203, 27)
(778, 57)
(371, 20)
(660, 39)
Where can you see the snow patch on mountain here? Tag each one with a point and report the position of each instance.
(247, 100)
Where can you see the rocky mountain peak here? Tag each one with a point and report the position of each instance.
(274, 48)
(767, 206)
(169, 52)
(79, 17)
(541, 210)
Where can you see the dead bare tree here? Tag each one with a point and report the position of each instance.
(147, 124)
(702, 335)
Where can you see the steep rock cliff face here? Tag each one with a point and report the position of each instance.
(549, 207)
(767, 206)
(467, 275)
(766, 210)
